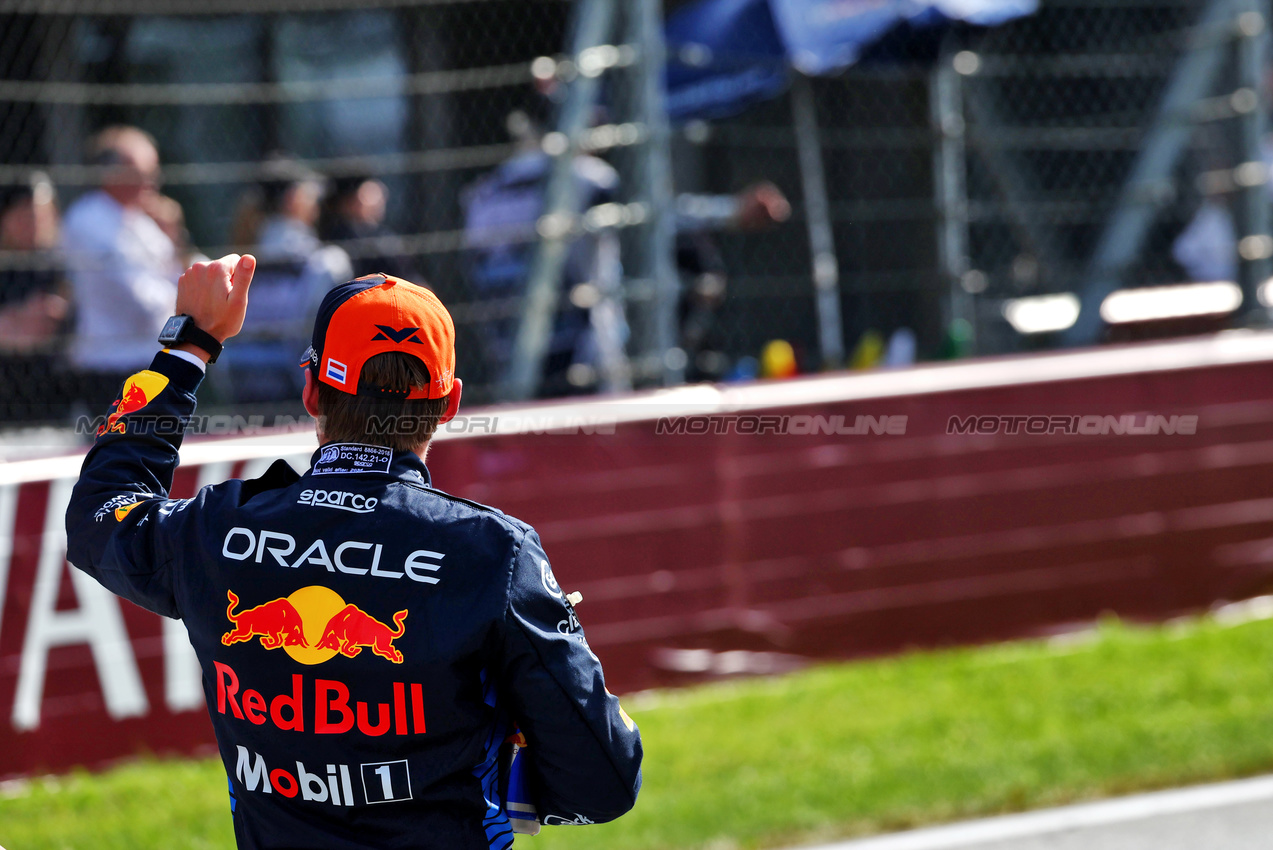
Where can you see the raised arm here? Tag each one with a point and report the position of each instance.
(120, 524)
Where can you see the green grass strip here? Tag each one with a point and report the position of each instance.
(833, 751)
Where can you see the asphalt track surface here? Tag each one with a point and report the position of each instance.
(1226, 816)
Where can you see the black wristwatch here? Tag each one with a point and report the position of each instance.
(182, 328)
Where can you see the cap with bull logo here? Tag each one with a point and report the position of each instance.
(376, 314)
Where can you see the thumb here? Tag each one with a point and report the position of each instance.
(241, 278)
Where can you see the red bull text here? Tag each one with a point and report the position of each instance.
(329, 712)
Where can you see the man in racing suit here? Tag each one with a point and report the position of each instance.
(367, 641)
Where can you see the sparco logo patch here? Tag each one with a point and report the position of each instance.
(339, 499)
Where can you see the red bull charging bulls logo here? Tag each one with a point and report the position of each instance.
(313, 625)
(138, 391)
(353, 628)
(277, 623)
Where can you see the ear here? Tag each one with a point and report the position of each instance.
(453, 402)
(309, 395)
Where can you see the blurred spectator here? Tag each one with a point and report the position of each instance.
(355, 210)
(585, 352)
(33, 306)
(1207, 249)
(291, 194)
(123, 266)
(294, 270)
(704, 279)
(32, 302)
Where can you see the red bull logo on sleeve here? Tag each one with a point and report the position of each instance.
(313, 625)
(139, 391)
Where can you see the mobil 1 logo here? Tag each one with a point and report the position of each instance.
(386, 781)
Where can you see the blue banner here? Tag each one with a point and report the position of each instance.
(726, 54)
(825, 36)
(722, 55)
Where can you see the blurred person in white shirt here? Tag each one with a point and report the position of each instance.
(123, 265)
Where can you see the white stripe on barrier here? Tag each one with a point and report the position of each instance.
(8, 512)
(256, 467)
(1225, 349)
(213, 473)
(97, 622)
(1086, 815)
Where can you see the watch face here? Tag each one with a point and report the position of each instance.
(173, 328)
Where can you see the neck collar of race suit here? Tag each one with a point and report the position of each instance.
(331, 459)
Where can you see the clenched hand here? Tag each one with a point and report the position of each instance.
(215, 294)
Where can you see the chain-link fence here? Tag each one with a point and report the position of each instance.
(415, 96)
(969, 169)
(949, 172)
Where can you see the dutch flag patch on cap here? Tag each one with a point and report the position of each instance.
(335, 370)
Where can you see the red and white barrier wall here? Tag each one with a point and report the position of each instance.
(708, 543)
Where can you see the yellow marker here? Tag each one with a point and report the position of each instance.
(778, 359)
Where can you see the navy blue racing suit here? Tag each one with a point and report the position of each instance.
(366, 640)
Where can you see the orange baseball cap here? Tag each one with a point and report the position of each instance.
(375, 314)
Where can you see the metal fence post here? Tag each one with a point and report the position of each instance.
(1150, 183)
(949, 167)
(594, 25)
(658, 235)
(1255, 246)
(826, 268)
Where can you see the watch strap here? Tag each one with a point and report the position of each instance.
(196, 336)
(188, 332)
